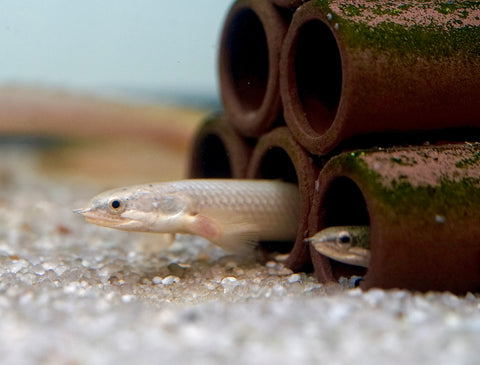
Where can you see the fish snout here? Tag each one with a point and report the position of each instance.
(80, 211)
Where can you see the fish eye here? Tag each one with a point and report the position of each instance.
(344, 237)
(116, 206)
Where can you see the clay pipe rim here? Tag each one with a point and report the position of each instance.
(289, 4)
(311, 105)
(218, 151)
(293, 164)
(249, 56)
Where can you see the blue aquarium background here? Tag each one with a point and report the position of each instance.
(149, 50)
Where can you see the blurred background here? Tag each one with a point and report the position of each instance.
(148, 49)
(115, 81)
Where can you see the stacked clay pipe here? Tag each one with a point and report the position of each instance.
(366, 105)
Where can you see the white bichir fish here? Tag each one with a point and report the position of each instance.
(233, 214)
(347, 244)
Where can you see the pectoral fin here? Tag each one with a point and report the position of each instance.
(206, 227)
(241, 240)
(231, 235)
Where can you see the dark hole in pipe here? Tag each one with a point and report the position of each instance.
(277, 165)
(318, 69)
(248, 59)
(212, 158)
(344, 205)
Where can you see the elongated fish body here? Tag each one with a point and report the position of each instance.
(347, 244)
(230, 213)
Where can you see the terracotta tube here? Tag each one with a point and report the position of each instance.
(278, 156)
(218, 151)
(351, 68)
(423, 208)
(248, 65)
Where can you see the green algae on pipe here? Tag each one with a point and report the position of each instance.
(352, 68)
(423, 210)
(409, 28)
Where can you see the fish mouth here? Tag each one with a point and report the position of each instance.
(328, 248)
(94, 217)
(108, 222)
(347, 254)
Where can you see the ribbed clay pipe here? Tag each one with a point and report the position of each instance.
(250, 49)
(278, 156)
(350, 68)
(218, 151)
(423, 208)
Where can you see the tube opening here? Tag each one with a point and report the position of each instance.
(344, 205)
(277, 164)
(211, 159)
(247, 57)
(318, 70)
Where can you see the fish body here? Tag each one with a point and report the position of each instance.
(230, 213)
(347, 244)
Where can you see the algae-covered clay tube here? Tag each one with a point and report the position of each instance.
(352, 68)
(422, 205)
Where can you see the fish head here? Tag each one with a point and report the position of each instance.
(138, 208)
(332, 239)
(344, 244)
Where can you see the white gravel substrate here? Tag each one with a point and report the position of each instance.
(72, 293)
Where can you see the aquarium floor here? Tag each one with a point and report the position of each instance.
(73, 293)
